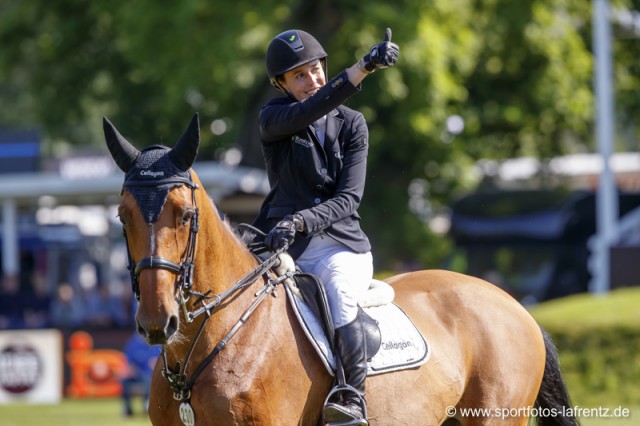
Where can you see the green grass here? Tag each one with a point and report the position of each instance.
(598, 339)
(73, 412)
(619, 308)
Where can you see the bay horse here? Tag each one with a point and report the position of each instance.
(234, 354)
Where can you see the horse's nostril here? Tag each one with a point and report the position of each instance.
(172, 326)
(154, 333)
(141, 331)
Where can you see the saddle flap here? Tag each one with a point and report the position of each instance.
(373, 337)
(316, 299)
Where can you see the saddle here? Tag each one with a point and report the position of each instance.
(314, 296)
(393, 341)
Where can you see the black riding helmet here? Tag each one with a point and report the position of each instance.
(291, 49)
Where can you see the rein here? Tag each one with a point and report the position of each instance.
(178, 380)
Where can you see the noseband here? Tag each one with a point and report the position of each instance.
(183, 270)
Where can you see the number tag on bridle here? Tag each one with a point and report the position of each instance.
(186, 414)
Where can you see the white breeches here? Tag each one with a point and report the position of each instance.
(345, 275)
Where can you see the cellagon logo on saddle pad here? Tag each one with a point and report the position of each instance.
(396, 345)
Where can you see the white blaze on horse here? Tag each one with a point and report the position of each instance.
(235, 354)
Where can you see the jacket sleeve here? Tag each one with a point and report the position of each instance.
(282, 117)
(350, 186)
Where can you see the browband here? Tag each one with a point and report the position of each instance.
(156, 182)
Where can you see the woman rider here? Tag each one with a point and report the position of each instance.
(315, 150)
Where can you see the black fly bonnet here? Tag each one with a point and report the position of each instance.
(149, 176)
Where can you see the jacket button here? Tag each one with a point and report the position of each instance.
(317, 201)
(323, 171)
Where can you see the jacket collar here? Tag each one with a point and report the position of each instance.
(334, 124)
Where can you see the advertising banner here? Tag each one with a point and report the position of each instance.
(31, 366)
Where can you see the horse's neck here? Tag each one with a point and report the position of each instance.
(222, 257)
(221, 260)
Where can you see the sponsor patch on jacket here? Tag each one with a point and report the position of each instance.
(300, 141)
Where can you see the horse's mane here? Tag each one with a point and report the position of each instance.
(245, 236)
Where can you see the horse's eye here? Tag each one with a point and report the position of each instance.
(186, 216)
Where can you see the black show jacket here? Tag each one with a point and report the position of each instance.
(325, 185)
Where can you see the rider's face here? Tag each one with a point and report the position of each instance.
(305, 80)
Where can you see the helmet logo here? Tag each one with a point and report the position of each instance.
(292, 38)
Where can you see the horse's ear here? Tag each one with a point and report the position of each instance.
(185, 151)
(124, 154)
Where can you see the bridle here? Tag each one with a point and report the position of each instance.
(204, 303)
(184, 269)
(182, 156)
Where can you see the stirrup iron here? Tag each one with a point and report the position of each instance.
(361, 403)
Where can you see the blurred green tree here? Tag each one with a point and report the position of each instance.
(476, 79)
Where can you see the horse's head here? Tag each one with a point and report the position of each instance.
(159, 213)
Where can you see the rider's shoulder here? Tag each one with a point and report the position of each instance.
(349, 113)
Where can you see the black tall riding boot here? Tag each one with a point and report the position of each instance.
(351, 348)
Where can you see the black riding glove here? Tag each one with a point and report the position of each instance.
(281, 235)
(382, 55)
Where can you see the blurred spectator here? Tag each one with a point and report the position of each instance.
(11, 303)
(37, 304)
(129, 305)
(105, 310)
(141, 359)
(66, 310)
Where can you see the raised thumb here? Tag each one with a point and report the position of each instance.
(387, 34)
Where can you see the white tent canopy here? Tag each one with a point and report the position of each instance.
(100, 184)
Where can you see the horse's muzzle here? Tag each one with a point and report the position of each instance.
(157, 334)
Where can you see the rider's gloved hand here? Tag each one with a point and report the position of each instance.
(382, 55)
(281, 235)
